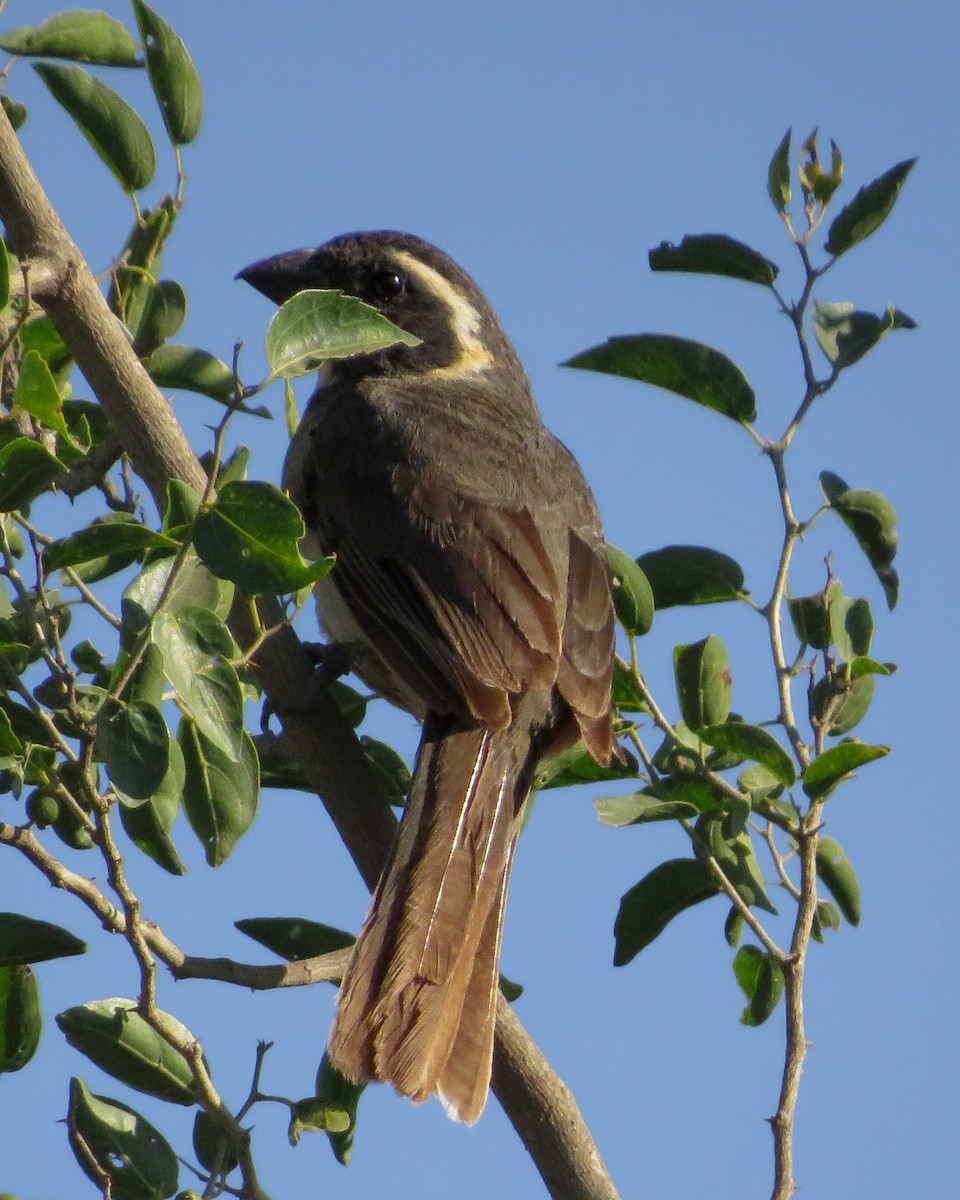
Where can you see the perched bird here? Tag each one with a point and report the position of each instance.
(472, 583)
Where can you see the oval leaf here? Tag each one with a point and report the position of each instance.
(295, 938)
(690, 369)
(867, 211)
(220, 793)
(20, 1021)
(317, 325)
(26, 470)
(839, 877)
(212, 1147)
(107, 121)
(37, 394)
(691, 575)
(115, 1036)
(251, 536)
(872, 520)
(632, 594)
(105, 539)
(336, 1094)
(27, 940)
(778, 175)
(835, 764)
(846, 335)
(173, 76)
(148, 824)
(650, 905)
(90, 37)
(754, 742)
(133, 741)
(640, 808)
(702, 674)
(714, 254)
(138, 1161)
(187, 369)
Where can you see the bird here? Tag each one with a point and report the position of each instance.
(472, 588)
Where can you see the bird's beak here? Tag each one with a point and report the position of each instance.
(282, 276)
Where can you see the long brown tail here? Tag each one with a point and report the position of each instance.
(418, 1002)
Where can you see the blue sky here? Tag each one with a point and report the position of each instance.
(547, 147)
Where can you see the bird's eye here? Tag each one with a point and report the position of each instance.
(386, 285)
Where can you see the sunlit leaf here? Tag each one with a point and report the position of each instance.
(632, 594)
(691, 575)
(837, 873)
(89, 37)
(702, 674)
(835, 764)
(754, 742)
(317, 325)
(220, 793)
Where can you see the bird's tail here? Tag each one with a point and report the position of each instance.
(418, 1001)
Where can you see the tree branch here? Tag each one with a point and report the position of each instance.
(536, 1100)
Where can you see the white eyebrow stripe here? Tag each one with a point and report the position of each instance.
(474, 356)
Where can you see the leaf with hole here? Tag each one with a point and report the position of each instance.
(173, 76)
(632, 595)
(122, 1146)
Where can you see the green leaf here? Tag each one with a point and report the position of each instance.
(640, 808)
(733, 927)
(575, 766)
(811, 620)
(4, 274)
(778, 175)
(26, 470)
(867, 211)
(41, 335)
(650, 905)
(688, 368)
(389, 769)
(833, 765)
(632, 595)
(761, 978)
(194, 586)
(133, 740)
(734, 853)
(626, 694)
(251, 536)
(872, 520)
(149, 822)
(122, 1144)
(826, 916)
(691, 575)
(855, 697)
(210, 689)
(16, 113)
(107, 121)
(162, 311)
(36, 393)
(187, 369)
(318, 325)
(220, 794)
(846, 335)
(838, 876)
(295, 938)
(212, 1147)
(105, 539)
(337, 1094)
(112, 1034)
(702, 675)
(851, 625)
(27, 940)
(89, 37)
(754, 742)
(173, 76)
(20, 1020)
(714, 254)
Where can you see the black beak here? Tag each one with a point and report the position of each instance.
(282, 276)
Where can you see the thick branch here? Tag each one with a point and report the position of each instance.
(536, 1100)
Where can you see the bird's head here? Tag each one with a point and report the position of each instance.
(414, 285)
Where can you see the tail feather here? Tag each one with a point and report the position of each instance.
(417, 1006)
